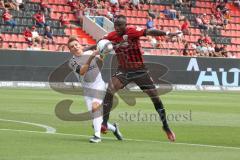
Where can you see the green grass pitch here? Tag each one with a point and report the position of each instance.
(207, 126)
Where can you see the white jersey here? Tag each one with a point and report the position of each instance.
(92, 82)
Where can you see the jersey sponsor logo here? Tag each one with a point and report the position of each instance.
(91, 67)
(125, 37)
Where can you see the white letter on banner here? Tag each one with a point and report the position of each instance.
(193, 65)
(208, 78)
(235, 82)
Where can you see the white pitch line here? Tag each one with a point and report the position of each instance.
(49, 129)
(128, 139)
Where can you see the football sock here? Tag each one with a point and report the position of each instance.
(161, 111)
(111, 127)
(107, 105)
(97, 123)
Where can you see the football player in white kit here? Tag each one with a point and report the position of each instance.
(84, 64)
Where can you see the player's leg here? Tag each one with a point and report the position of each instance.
(100, 88)
(146, 84)
(93, 108)
(97, 121)
(117, 82)
(97, 118)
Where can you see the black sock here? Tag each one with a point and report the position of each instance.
(107, 105)
(161, 111)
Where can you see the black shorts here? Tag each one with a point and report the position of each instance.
(140, 77)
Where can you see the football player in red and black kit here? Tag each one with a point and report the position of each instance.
(131, 68)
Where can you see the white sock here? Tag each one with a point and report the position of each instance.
(97, 123)
(111, 127)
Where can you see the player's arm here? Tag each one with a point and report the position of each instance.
(84, 68)
(92, 47)
(155, 32)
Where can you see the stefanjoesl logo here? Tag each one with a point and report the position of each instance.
(219, 77)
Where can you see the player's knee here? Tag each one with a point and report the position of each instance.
(155, 100)
(111, 89)
(151, 93)
(95, 107)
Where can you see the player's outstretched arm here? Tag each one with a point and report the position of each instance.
(156, 32)
(84, 68)
(92, 47)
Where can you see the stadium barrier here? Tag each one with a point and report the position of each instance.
(100, 26)
(33, 68)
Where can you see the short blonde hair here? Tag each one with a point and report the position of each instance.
(71, 39)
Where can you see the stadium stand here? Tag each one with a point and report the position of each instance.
(168, 15)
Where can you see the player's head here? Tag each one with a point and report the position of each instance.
(74, 46)
(120, 23)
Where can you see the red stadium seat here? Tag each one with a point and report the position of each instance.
(52, 47)
(141, 14)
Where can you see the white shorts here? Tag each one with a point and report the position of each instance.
(94, 92)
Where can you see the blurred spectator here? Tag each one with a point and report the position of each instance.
(65, 22)
(95, 4)
(150, 23)
(189, 3)
(207, 39)
(226, 18)
(48, 35)
(152, 13)
(214, 23)
(153, 41)
(40, 19)
(2, 5)
(20, 4)
(113, 10)
(28, 35)
(222, 7)
(9, 4)
(135, 4)
(12, 46)
(223, 51)
(61, 48)
(114, 2)
(45, 8)
(74, 5)
(35, 46)
(211, 49)
(205, 20)
(199, 23)
(35, 34)
(237, 3)
(179, 16)
(185, 51)
(145, 1)
(160, 39)
(231, 55)
(185, 27)
(217, 48)
(178, 3)
(170, 13)
(123, 4)
(200, 40)
(179, 37)
(79, 14)
(8, 19)
(173, 12)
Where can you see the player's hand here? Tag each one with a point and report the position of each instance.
(95, 53)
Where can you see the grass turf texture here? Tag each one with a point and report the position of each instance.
(209, 118)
